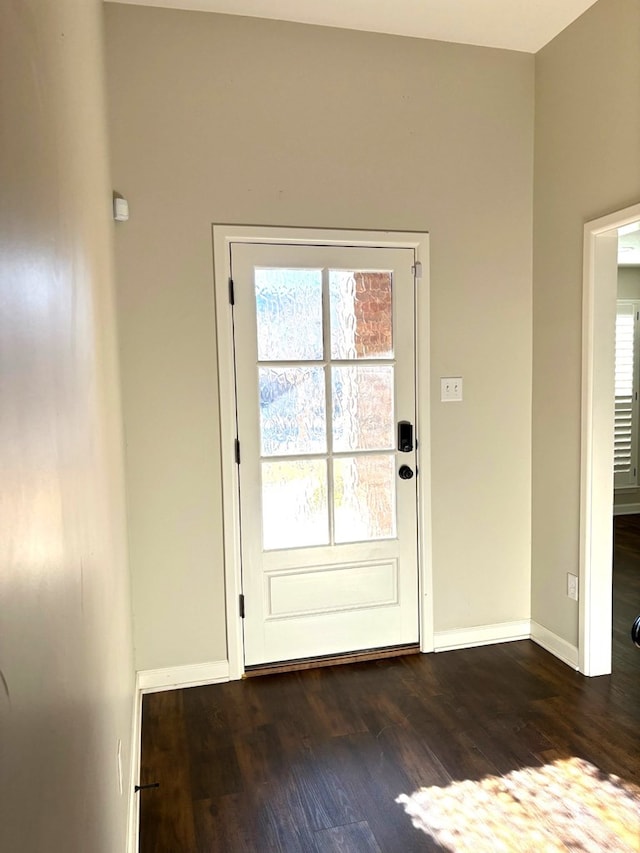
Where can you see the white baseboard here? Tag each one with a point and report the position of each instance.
(133, 824)
(556, 645)
(175, 677)
(626, 509)
(481, 635)
(506, 632)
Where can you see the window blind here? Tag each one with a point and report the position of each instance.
(626, 394)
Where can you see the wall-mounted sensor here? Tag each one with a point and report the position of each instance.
(120, 209)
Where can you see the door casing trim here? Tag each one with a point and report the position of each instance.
(596, 464)
(223, 237)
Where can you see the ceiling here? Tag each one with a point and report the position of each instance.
(525, 25)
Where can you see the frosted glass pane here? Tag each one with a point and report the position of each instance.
(292, 410)
(362, 408)
(364, 498)
(289, 314)
(361, 314)
(294, 503)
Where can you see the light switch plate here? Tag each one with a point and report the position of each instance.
(451, 389)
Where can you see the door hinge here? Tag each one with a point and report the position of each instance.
(237, 450)
(241, 606)
(416, 269)
(232, 293)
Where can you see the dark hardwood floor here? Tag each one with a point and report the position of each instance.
(626, 592)
(313, 761)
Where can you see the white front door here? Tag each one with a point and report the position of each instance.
(324, 340)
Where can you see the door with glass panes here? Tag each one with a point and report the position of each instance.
(324, 341)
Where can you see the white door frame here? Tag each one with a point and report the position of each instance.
(596, 489)
(223, 237)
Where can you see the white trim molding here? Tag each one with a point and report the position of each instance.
(555, 645)
(626, 509)
(176, 677)
(423, 429)
(481, 635)
(223, 237)
(599, 294)
(133, 827)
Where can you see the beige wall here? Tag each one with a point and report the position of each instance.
(223, 119)
(628, 282)
(587, 164)
(65, 638)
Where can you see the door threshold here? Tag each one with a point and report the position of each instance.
(278, 667)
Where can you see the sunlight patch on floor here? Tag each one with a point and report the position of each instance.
(566, 805)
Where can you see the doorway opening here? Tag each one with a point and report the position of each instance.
(600, 286)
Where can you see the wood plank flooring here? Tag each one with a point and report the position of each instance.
(313, 761)
(626, 591)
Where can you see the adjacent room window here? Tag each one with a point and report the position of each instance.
(625, 463)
